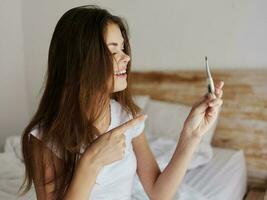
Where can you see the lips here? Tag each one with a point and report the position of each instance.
(120, 70)
(121, 73)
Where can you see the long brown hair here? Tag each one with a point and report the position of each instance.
(76, 89)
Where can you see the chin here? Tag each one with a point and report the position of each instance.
(120, 88)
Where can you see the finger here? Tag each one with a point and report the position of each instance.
(201, 99)
(201, 107)
(133, 122)
(219, 93)
(211, 97)
(218, 89)
(211, 111)
(215, 103)
(219, 84)
(122, 128)
(203, 103)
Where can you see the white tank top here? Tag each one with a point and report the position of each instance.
(115, 180)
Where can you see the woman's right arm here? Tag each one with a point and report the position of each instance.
(107, 148)
(111, 147)
(84, 177)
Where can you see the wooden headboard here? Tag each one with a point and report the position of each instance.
(243, 119)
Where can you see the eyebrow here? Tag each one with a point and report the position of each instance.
(115, 43)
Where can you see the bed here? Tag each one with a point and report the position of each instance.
(238, 146)
(213, 173)
(223, 177)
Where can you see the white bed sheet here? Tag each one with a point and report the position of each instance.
(223, 178)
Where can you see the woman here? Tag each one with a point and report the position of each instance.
(86, 140)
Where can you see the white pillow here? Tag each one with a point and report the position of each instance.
(164, 148)
(141, 100)
(12, 144)
(165, 121)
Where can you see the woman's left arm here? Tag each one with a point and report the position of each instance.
(163, 185)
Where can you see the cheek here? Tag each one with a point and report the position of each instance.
(115, 60)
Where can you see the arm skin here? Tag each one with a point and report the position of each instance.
(163, 185)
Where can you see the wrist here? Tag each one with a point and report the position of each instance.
(89, 160)
(190, 135)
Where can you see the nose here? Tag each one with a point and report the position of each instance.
(125, 58)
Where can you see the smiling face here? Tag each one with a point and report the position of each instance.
(115, 43)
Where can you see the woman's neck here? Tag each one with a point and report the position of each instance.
(103, 122)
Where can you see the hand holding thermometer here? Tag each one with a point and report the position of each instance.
(211, 88)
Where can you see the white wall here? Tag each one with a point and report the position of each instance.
(14, 111)
(164, 35)
(178, 34)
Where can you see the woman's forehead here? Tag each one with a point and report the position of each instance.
(113, 34)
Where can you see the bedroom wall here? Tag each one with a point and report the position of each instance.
(14, 111)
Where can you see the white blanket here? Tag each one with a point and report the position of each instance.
(12, 172)
(185, 192)
(11, 177)
(163, 150)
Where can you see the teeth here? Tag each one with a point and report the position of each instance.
(120, 72)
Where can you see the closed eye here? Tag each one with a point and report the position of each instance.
(115, 45)
(117, 52)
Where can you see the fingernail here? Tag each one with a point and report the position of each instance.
(146, 116)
